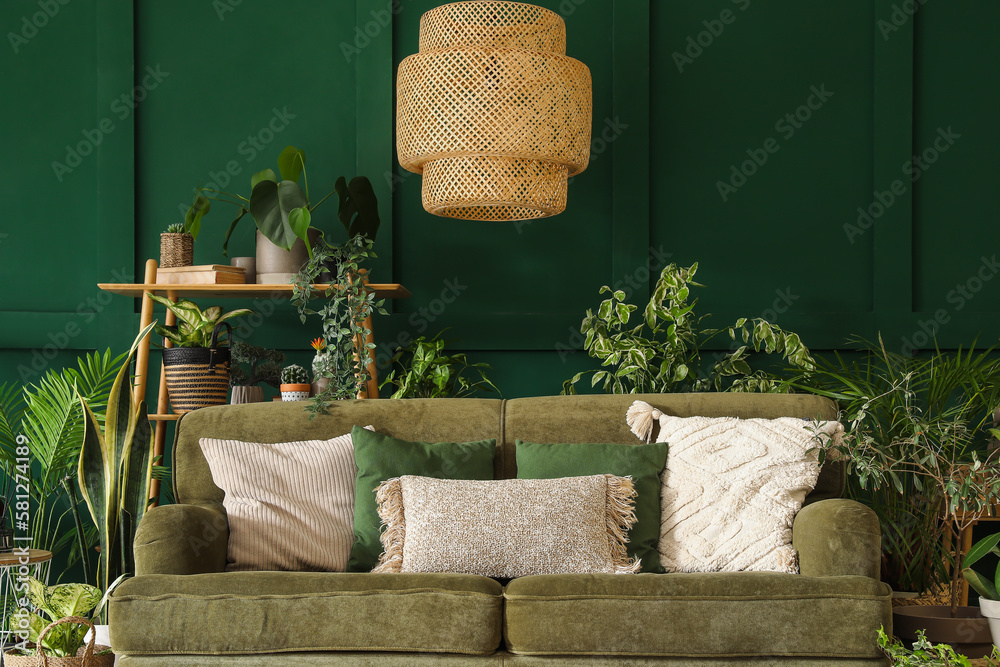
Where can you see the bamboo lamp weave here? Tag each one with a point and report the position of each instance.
(492, 112)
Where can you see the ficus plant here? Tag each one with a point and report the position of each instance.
(663, 352)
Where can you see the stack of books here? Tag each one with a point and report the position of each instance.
(206, 274)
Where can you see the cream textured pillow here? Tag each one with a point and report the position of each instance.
(506, 528)
(290, 504)
(731, 488)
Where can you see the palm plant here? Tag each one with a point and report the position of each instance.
(919, 429)
(48, 419)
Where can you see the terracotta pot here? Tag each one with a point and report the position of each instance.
(276, 266)
(295, 392)
(968, 632)
(247, 395)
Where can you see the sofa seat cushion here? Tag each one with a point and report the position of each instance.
(698, 615)
(277, 612)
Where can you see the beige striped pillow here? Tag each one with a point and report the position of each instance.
(290, 504)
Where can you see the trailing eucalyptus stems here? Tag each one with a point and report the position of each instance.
(664, 352)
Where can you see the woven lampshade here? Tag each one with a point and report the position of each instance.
(492, 112)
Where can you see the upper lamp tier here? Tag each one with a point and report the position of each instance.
(492, 112)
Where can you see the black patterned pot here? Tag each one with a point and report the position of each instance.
(197, 377)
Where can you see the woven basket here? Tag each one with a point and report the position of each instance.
(84, 657)
(176, 250)
(197, 377)
(492, 112)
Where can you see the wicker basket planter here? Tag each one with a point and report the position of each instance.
(197, 377)
(85, 657)
(176, 250)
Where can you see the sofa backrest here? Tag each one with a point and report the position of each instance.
(547, 419)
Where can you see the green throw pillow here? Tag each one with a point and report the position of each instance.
(643, 463)
(380, 457)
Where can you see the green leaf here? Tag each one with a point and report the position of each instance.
(229, 232)
(980, 549)
(198, 210)
(299, 219)
(358, 210)
(291, 162)
(265, 207)
(265, 175)
(981, 584)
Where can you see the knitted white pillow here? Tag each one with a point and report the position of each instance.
(290, 504)
(507, 528)
(731, 488)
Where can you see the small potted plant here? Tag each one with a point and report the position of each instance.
(177, 243)
(294, 383)
(424, 370)
(57, 629)
(989, 590)
(322, 365)
(264, 366)
(197, 367)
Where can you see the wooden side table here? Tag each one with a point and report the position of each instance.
(10, 572)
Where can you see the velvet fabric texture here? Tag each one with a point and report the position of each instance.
(380, 457)
(713, 615)
(278, 612)
(837, 541)
(642, 462)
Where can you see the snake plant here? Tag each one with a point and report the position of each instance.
(114, 472)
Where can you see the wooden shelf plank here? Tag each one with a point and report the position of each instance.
(382, 290)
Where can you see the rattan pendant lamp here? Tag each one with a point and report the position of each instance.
(492, 112)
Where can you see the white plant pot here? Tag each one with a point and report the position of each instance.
(991, 610)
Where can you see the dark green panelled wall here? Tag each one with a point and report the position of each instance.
(830, 165)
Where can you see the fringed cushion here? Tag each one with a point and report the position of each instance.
(507, 528)
(732, 488)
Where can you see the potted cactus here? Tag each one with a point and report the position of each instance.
(294, 383)
(177, 243)
(322, 367)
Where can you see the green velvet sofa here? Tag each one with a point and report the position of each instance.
(182, 609)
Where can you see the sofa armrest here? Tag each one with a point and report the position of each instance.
(837, 537)
(182, 539)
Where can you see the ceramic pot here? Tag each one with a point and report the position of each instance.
(276, 266)
(991, 610)
(249, 265)
(968, 632)
(247, 395)
(295, 392)
(319, 386)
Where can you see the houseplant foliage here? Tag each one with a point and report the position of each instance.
(916, 442)
(346, 305)
(923, 653)
(988, 587)
(53, 603)
(114, 471)
(194, 327)
(262, 365)
(49, 417)
(423, 369)
(663, 352)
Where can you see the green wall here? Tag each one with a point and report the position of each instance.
(686, 94)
